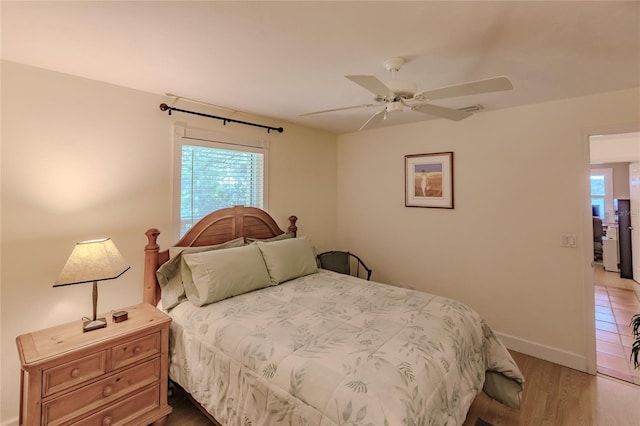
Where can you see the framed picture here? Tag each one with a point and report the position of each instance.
(429, 180)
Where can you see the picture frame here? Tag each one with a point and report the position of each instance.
(429, 180)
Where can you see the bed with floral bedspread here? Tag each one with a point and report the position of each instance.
(330, 349)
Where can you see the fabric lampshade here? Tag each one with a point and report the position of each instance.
(94, 260)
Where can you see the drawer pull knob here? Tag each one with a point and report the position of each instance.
(107, 391)
(75, 372)
(107, 421)
(137, 350)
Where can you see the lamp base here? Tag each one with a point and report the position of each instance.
(94, 325)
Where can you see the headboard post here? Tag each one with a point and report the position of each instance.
(292, 227)
(151, 251)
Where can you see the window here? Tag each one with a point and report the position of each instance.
(602, 194)
(215, 174)
(597, 195)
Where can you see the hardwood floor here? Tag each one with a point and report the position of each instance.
(185, 413)
(554, 396)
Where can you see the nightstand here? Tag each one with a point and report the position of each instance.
(116, 375)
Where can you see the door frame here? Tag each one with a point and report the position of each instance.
(633, 220)
(587, 230)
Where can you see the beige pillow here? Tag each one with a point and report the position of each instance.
(284, 236)
(288, 259)
(175, 250)
(220, 274)
(170, 275)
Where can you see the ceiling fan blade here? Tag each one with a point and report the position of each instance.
(337, 109)
(494, 84)
(372, 84)
(448, 113)
(374, 119)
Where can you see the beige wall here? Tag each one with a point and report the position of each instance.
(83, 159)
(620, 178)
(521, 180)
(615, 147)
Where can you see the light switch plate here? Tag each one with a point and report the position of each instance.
(568, 240)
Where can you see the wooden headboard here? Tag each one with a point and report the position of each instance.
(215, 228)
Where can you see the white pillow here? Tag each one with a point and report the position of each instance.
(288, 259)
(220, 274)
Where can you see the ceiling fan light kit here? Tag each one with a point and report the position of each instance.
(394, 106)
(396, 94)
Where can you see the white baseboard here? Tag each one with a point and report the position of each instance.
(10, 422)
(547, 353)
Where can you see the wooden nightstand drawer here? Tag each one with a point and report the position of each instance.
(124, 412)
(116, 375)
(73, 373)
(87, 399)
(135, 350)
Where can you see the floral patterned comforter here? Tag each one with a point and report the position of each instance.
(330, 349)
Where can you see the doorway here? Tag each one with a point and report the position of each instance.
(615, 171)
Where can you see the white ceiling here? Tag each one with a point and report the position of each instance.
(282, 59)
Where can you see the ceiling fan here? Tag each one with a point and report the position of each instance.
(395, 95)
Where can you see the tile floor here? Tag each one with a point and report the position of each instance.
(617, 300)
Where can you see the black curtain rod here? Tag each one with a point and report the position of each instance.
(165, 107)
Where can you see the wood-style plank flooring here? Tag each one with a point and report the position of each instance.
(185, 413)
(554, 396)
(557, 396)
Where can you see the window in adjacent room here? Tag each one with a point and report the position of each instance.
(602, 194)
(215, 174)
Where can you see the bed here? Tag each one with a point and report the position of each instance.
(306, 346)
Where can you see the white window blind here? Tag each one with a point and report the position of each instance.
(215, 175)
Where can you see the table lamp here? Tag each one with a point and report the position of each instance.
(92, 261)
